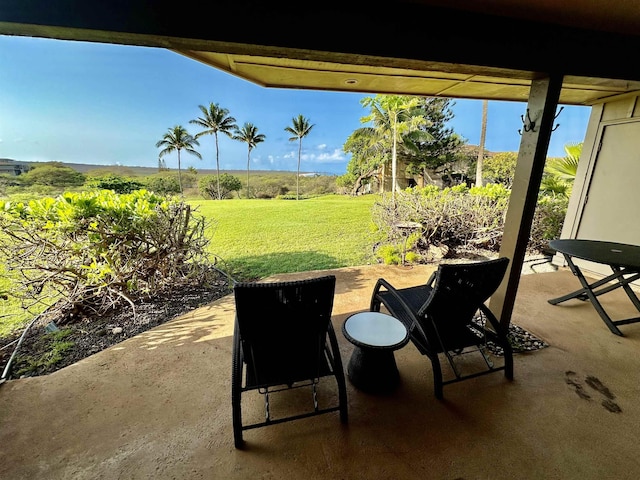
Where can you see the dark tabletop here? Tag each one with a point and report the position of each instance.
(608, 253)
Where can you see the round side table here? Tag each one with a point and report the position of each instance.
(372, 366)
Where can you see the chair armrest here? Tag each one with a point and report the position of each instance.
(495, 323)
(406, 309)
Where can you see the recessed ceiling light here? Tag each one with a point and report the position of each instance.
(351, 81)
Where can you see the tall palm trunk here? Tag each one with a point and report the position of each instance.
(179, 173)
(483, 134)
(298, 177)
(218, 166)
(248, 162)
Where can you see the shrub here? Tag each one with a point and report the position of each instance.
(53, 174)
(459, 217)
(547, 221)
(208, 186)
(114, 182)
(163, 184)
(95, 250)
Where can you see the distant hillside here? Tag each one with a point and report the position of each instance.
(144, 171)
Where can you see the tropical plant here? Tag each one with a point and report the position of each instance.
(249, 134)
(215, 119)
(394, 119)
(561, 172)
(299, 129)
(175, 140)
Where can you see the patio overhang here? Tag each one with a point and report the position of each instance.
(541, 52)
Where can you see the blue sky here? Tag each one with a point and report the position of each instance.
(80, 102)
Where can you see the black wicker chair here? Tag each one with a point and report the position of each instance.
(284, 339)
(448, 316)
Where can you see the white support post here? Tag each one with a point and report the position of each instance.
(536, 132)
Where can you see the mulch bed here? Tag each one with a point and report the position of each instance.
(94, 334)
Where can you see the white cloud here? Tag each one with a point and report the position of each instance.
(322, 146)
(335, 156)
(290, 155)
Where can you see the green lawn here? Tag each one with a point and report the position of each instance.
(257, 238)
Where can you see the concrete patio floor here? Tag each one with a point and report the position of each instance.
(157, 406)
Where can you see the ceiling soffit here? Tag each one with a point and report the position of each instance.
(453, 81)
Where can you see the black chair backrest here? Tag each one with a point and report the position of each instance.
(283, 327)
(459, 290)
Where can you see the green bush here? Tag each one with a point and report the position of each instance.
(114, 182)
(53, 174)
(547, 221)
(92, 251)
(163, 184)
(460, 217)
(208, 186)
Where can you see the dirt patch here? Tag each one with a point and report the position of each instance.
(43, 351)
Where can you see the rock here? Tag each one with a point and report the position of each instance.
(116, 330)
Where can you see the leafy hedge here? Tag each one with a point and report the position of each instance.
(454, 218)
(92, 251)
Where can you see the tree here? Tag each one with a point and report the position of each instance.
(299, 129)
(213, 120)
(249, 134)
(175, 140)
(367, 157)
(393, 118)
(483, 135)
(440, 149)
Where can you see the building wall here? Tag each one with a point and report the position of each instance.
(12, 167)
(611, 158)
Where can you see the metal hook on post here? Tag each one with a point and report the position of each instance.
(529, 125)
(556, 116)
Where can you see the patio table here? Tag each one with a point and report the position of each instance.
(624, 261)
(372, 367)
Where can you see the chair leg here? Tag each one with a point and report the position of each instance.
(338, 370)
(508, 360)
(236, 393)
(437, 376)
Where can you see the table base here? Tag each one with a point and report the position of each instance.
(373, 370)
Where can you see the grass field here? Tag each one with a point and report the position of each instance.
(258, 238)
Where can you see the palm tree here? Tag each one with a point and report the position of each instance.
(177, 139)
(300, 129)
(249, 134)
(213, 120)
(393, 118)
(560, 173)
